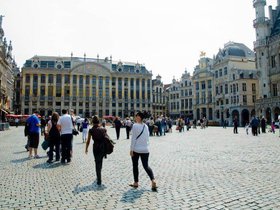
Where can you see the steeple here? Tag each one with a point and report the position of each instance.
(1, 29)
(261, 23)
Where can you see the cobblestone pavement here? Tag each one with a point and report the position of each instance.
(198, 169)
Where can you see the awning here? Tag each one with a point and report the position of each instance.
(4, 111)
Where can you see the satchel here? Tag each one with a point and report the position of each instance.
(75, 132)
(81, 129)
(45, 144)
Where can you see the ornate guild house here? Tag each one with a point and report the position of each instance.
(87, 85)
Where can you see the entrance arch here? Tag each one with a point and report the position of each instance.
(268, 115)
(198, 114)
(244, 117)
(235, 113)
(276, 113)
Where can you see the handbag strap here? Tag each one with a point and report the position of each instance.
(140, 133)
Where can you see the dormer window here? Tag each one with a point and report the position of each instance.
(35, 66)
(119, 69)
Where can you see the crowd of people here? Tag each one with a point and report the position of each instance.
(58, 132)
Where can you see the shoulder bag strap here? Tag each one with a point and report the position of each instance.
(140, 133)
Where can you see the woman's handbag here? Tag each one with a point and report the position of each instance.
(75, 132)
(45, 144)
(81, 129)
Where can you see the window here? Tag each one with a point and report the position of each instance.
(226, 88)
(244, 87)
(27, 78)
(203, 85)
(220, 73)
(244, 99)
(209, 82)
(74, 79)
(216, 74)
(43, 78)
(217, 90)
(233, 77)
(254, 98)
(93, 80)
(66, 79)
(273, 63)
(225, 71)
(274, 89)
(197, 85)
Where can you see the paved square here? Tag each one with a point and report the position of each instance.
(198, 169)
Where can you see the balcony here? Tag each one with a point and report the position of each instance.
(260, 21)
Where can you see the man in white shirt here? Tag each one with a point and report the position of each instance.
(128, 125)
(65, 126)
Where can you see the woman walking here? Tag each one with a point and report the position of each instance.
(140, 148)
(54, 138)
(85, 129)
(97, 135)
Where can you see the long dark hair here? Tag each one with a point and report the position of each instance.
(55, 117)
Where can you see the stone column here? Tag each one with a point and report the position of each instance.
(97, 95)
(129, 96)
(63, 91)
(54, 91)
(90, 94)
(117, 96)
(110, 96)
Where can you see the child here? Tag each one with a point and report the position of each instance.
(273, 127)
(247, 128)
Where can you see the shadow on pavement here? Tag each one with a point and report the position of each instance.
(20, 152)
(132, 195)
(91, 187)
(21, 160)
(47, 165)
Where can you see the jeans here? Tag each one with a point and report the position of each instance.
(144, 160)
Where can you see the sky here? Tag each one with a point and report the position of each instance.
(166, 36)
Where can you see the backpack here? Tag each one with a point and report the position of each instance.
(105, 144)
(54, 133)
(108, 145)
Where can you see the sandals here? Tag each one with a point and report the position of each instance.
(133, 185)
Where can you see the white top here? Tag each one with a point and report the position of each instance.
(141, 145)
(66, 124)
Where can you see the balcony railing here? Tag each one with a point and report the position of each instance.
(260, 43)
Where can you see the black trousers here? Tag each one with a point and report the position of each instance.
(54, 146)
(66, 147)
(118, 132)
(98, 157)
(235, 129)
(144, 159)
(127, 131)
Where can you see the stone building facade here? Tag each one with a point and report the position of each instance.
(7, 66)
(87, 85)
(203, 78)
(235, 83)
(267, 49)
(159, 99)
